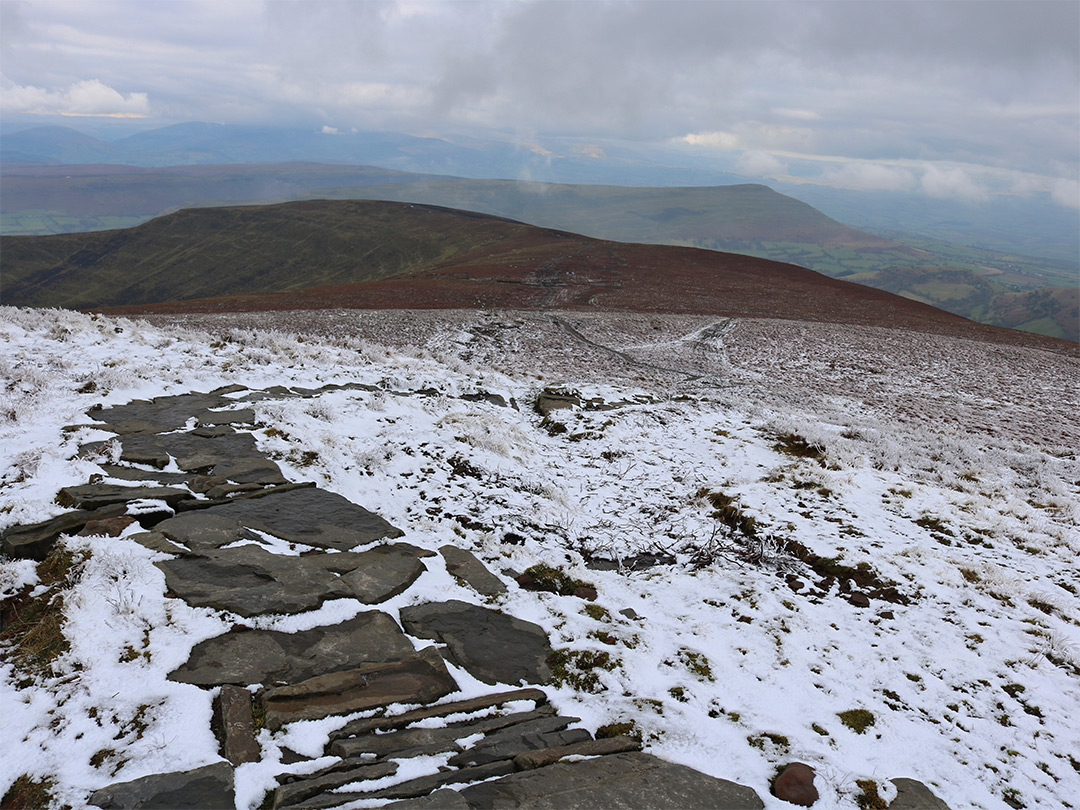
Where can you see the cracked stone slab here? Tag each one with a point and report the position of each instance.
(232, 715)
(587, 748)
(94, 496)
(206, 788)
(424, 785)
(159, 414)
(464, 566)
(418, 678)
(193, 452)
(376, 575)
(507, 743)
(492, 646)
(245, 656)
(626, 781)
(444, 799)
(250, 470)
(135, 474)
(199, 530)
(311, 516)
(251, 581)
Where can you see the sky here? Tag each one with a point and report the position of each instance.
(954, 99)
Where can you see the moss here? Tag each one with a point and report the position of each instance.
(678, 693)
(819, 730)
(98, 759)
(858, 720)
(543, 577)
(1013, 689)
(597, 612)
(697, 664)
(778, 740)
(28, 793)
(625, 729)
(577, 668)
(869, 798)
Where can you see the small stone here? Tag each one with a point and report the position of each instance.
(587, 592)
(859, 599)
(886, 614)
(796, 785)
(36, 540)
(629, 613)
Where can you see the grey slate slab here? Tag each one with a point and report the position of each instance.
(464, 566)
(914, 795)
(34, 541)
(312, 516)
(292, 793)
(629, 781)
(193, 452)
(493, 646)
(244, 656)
(250, 581)
(206, 788)
(94, 496)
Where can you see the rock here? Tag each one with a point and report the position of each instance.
(467, 568)
(492, 646)
(232, 715)
(192, 452)
(206, 788)
(859, 599)
(156, 541)
(250, 581)
(914, 795)
(249, 471)
(244, 656)
(444, 799)
(35, 541)
(293, 793)
(550, 400)
(587, 592)
(588, 748)
(135, 474)
(311, 516)
(886, 614)
(243, 416)
(629, 613)
(379, 574)
(222, 491)
(416, 741)
(107, 527)
(418, 678)
(365, 725)
(159, 414)
(795, 784)
(203, 530)
(94, 496)
(426, 784)
(545, 732)
(485, 396)
(627, 781)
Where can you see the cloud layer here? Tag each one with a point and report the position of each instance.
(991, 84)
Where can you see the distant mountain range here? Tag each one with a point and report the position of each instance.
(368, 254)
(746, 218)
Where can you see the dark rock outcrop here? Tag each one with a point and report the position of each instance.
(206, 788)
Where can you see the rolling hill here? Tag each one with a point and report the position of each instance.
(323, 254)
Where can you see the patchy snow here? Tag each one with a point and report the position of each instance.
(950, 468)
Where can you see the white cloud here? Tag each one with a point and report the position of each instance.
(797, 114)
(757, 163)
(714, 140)
(939, 182)
(89, 97)
(868, 177)
(328, 130)
(1066, 192)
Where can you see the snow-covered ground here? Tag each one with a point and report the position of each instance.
(950, 468)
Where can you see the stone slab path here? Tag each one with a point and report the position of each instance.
(212, 511)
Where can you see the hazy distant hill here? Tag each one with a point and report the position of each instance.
(329, 254)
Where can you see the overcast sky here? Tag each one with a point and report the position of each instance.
(953, 98)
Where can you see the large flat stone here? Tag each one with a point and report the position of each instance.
(201, 530)
(94, 496)
(251, 581)
(192, 452)
(312, 516)
(249, 470)
(445, 799)
(206, 788)
(423, 785)
(270, 657)
(34, 541)
(418, 678)
(629, 781)
(159, 414)
(492, 646)
(378, 574)
(507, 743)
(587, 748)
